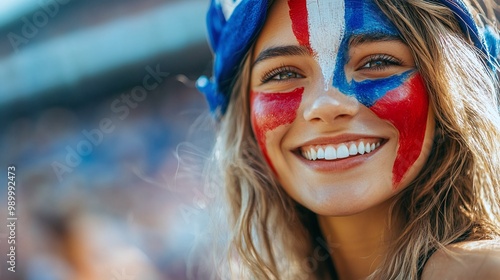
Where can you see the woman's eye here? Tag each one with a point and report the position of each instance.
(281, 74)
(380, 62)
(285, 75)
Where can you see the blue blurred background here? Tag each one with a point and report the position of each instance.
(99, 115)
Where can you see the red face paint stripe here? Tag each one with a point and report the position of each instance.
(406, 107)
(271, 110)
(300, 26)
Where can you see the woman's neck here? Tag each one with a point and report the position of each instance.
(359, 242)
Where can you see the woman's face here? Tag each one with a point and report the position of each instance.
(337, 106)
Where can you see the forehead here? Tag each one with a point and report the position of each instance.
(339, 18)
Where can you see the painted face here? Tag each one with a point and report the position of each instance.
(337, 106)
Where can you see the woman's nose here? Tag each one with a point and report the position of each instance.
(330, 105)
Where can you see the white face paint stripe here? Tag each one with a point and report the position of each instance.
(326, 30)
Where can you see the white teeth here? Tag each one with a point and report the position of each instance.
(321, 153)
(330, 153)
(342, 151)
(313, 154)
(361, 148)
(353, 150)
(368, 148)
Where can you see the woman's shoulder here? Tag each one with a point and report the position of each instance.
(466, 260)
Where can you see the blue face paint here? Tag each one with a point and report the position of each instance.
(363, 17)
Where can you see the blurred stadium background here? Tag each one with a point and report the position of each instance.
(99, 114)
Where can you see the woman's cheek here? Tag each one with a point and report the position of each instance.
(271, 110)
(406, 107)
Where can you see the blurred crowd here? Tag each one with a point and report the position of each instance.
(106, 188)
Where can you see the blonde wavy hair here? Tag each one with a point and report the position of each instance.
(261, 233)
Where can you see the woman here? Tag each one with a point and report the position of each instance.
(358, 139)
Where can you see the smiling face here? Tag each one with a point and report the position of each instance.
(337, 106)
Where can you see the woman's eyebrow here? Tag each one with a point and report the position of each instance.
(290, 50)
(359, 39)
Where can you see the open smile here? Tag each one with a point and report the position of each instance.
(338, 154)
(341, 150)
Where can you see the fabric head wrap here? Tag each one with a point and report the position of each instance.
(233, 25)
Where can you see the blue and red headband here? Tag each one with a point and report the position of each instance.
(234, 24)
